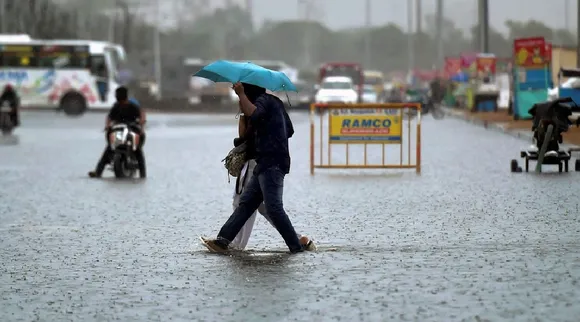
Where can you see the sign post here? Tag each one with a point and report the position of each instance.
(368, 126)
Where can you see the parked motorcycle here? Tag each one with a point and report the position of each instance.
(551, 119)
(427, 105)
(124, 162)
(6, 124)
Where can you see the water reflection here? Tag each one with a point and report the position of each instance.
(10, 139)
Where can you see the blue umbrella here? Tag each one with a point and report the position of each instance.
(233, 72)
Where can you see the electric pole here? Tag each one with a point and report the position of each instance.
(410, 37)
(368, 33)
(439, 22)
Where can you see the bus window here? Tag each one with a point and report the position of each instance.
(16, 61)
(63, 61)
(17, 56)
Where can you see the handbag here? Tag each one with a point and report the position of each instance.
(235, 160)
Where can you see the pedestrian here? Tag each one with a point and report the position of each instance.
(272, 129)
(246, 134)
(10, 98)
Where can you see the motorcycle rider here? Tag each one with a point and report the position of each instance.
(9, 95)
(127, 112)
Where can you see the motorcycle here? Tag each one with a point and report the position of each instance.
(6, 123)
(123, 162)
(551, 119)
(427, 105)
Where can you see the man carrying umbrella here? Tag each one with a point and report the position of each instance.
(273, 127)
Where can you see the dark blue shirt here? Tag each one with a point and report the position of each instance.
(272, 127)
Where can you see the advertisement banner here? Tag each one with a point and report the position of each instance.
(468, 62)
(452, 65)
(530, 52)
(486, 63)
(380, 126)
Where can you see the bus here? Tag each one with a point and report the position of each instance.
(376, 79)
(352, 70)
(70, 75)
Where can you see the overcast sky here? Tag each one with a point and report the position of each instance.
(339, 14)
(349, 13)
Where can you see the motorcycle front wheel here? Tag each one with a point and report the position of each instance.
(438, 112)
(121, 167)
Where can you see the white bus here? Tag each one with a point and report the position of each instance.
(72, 75)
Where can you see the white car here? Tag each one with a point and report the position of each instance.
(370, 95)
(336, 90)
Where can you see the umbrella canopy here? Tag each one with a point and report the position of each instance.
(233, 72)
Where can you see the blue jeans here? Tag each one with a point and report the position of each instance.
(267, 186)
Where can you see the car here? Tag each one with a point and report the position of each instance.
(572, 82)
(336, 89)
(370, 94)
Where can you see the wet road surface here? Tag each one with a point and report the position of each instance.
(464, 241)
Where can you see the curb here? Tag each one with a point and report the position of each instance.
(487, 125)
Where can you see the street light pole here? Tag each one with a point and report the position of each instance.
(368, 33)
(439, 22)
(2, 16)
(410, 37)
(157, 48)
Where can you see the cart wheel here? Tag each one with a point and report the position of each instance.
(514, 166)
(577, 165)
(527, 165)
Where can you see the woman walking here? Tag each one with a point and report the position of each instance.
(241, 240)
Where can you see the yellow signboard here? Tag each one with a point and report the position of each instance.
(381, 126)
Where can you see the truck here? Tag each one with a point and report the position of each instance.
(352, 70)
(69, 75)
(376, 79)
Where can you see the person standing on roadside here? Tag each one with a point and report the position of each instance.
(272, 129)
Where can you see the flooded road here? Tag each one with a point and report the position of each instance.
(464, 241)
